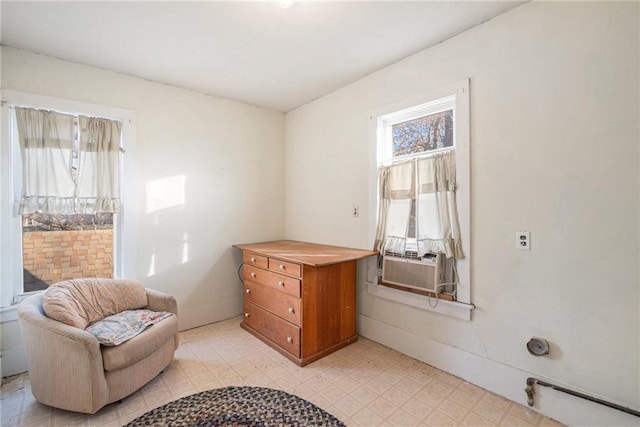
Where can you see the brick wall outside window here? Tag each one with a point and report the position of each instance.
(52, 256)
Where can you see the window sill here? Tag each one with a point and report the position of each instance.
(9, 314)
(455, 309)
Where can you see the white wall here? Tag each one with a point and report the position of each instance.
(554, 150)
(230, 156)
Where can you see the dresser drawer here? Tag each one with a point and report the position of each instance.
(284, 267)
(285, 306)
(281, 332)
(285, 284)
(251, 258)
(254, 273)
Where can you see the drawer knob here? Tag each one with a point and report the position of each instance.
(289, 340)
(281, 283)
(248, 291)
(253, 275)
(253, 259)
(246, 315)
(281, 266)
(290, 309)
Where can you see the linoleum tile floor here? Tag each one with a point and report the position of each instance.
(363, 384)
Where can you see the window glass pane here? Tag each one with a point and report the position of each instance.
(423, 134)
(411, 232)
(61, 247)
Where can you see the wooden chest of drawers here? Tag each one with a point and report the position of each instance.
(300, 298)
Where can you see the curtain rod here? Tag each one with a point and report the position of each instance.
(13, 107)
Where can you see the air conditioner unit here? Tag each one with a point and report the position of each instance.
(423, 274)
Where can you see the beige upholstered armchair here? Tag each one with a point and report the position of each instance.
(68, 367)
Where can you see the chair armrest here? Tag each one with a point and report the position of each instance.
(32, 316)
(159, 301)
(65, 363)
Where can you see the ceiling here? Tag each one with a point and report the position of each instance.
(254, 52)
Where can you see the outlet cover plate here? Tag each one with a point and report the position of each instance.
(523, 240)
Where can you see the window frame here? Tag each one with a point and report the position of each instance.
(11, 257)
(413, 107)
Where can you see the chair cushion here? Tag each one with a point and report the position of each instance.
(121, 327)
(140, 346)
(79, 302)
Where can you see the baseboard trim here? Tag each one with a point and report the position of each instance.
(496, 377)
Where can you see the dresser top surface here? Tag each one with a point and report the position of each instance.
(306, 253)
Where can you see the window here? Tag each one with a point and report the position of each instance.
(430, 129)
(414, 133)
(40, 243)
(422, 171)
(426, 133)
(58, 247)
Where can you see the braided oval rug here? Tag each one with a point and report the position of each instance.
(238, 407)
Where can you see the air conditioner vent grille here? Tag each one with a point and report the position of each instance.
(405, 255)
(413, 273)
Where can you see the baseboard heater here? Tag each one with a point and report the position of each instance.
(533, 381)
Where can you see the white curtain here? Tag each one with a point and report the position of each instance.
(396, 191)
(46, 145)
(50, 184)
(99, 165)
(438, 228)
(431, 181)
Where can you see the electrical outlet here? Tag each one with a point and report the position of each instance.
(356, 211)
(523, 240)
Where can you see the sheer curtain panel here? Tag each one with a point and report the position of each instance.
(431, 181)
(46, 144)
(438, 229)
(67, 171)
(396, 191)
(99, 165)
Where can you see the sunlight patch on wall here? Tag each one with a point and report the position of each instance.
(185, 248)
(152, 265)
(165, 193)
